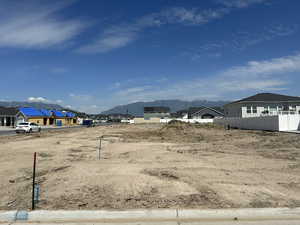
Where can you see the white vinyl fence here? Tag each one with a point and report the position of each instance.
(289, 122)
(188, 120)
(271, 123)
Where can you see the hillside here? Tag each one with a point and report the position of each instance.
(38, 105)
(137, 108)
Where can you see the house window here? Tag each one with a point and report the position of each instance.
(249, 109)
(293, 108)
(254, 109)
(266, 110)
(280, 108)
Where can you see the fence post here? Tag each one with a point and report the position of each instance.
(33, 182)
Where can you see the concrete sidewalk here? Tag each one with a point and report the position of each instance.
(2, 128)
(282, 216)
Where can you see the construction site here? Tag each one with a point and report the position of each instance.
(175, 165)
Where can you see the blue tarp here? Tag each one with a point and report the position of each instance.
(69, 114)
(58, 113)
(46, 112)
(29, 111)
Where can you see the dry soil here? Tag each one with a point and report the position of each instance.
(151, 166)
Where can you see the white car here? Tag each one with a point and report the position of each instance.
(27, 127)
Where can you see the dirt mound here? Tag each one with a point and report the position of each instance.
(176, 125)
(105, 197)
(174, 131)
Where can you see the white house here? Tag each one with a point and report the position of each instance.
(264, 111)
(264, 104)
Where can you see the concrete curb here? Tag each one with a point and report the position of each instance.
(152, 215)
(241, 214)
(103, 215)
(7, 216)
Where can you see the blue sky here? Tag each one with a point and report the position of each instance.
(93, 55)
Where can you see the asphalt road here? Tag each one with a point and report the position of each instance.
(12, 132)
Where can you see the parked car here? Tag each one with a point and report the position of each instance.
(27, 127)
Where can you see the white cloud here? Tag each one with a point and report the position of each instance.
(114, 37)
(35, 24)
(37, 99)
(133, 90)
(240, 3)
(44, 100)
(92, 109)
(121, 35)
(239, 41)
(254, 76)
(267, 67)
(81, 97)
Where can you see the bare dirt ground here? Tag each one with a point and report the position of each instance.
(152, 166)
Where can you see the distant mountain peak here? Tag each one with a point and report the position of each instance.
(137, 108)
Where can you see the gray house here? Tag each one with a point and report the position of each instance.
(9, 116)
(156, 112)
(263, 104)
(202, 112)
(205, 113)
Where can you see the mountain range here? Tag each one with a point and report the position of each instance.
(38, 105)
(137, 108)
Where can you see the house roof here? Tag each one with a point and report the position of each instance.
(46, 112)
(30, 112)
(58, 113)
(156, 109)
(217, 110)
(70, 114)
(193, 110)
(8, 111)
(268, 97)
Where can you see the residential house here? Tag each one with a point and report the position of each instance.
(181, 114)
(30, 114)
(46, 117)
(70, 118)
(199, 113)
(156, 112)
(205, 113)
(63, 118)
(263, 104)
(118, 117)
(8, 116)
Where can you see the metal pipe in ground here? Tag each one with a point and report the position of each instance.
(33, 182)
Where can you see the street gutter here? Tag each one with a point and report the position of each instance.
(157, 215)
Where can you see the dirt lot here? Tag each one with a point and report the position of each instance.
(152, 166)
